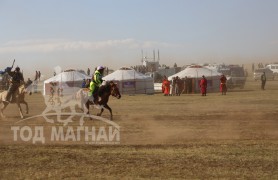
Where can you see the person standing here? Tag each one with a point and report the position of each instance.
(35, 86)
(165, 86)
(28, 82)
(179, 87)
(83, 83)
(39, 75)
(88, 71)
(172, 86)
(185, 85)
(203, 86)
(36, 75)
(175, 86)
(223, 87)
(263, 79)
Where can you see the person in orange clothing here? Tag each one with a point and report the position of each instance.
(165, 86)
(223, 86)
(203, 86)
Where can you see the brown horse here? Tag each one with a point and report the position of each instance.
(18, 99)
(104, 93)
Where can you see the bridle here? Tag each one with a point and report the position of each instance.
(114, 90)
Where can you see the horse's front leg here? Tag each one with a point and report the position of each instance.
(110, 110)
(101, 111)
(27, 107)
(20, 110)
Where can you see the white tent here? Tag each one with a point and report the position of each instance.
(195, 73)
(67, 80)
(131, 82)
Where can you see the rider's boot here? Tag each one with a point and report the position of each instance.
(96, 104)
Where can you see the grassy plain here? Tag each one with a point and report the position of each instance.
(187, 137)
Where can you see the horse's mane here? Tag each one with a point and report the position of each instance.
(105, 88)
(21, 88)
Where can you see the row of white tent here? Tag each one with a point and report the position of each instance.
(132, 82)
(128, 80)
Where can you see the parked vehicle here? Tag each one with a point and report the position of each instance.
(273, 68)
(268, 73)
(235, 76)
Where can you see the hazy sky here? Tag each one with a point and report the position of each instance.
(42, 34)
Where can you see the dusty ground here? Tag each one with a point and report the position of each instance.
(232, 136)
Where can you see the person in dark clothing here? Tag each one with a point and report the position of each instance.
(263, 79)
(203, 86)
(84, 83)
(16, 81)
(28, 82)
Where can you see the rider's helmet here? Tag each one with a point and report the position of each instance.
(17, 69)
(100, 68)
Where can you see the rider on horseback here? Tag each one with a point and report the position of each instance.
(17, 79)
(95, 83)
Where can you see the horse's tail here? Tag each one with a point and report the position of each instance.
(1, 97)
(81, 94)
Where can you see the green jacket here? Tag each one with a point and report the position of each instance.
(96, 82)
(97, 78)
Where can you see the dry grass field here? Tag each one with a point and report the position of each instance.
(187, 137)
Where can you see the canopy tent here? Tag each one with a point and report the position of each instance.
(67, 81)
(131, 82)
(195, 73)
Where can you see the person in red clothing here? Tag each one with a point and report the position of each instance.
(165, 86)
(203, 86)
(223, 87)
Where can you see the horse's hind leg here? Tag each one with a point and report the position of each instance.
(3, 108)
(87, 106)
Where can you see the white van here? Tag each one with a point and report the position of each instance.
(273, 67)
